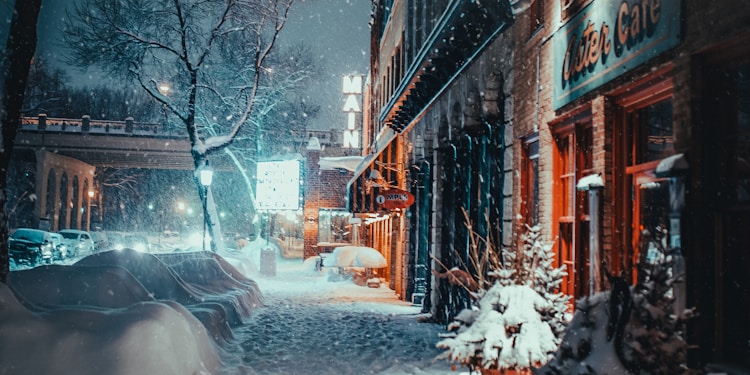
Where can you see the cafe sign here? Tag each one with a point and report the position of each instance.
(609, 38)
(394, 198)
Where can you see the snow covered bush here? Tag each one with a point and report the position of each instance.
(628, 329)
(518, 322)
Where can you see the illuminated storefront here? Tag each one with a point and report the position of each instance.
(626, 91)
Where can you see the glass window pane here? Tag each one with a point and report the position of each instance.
(333, 225)
(657, 118)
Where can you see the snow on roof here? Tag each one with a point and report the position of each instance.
(672, 164)
(348, 163)
(313, 144)
(592, 180)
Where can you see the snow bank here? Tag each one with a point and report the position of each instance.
(144, 338)
(58, 285)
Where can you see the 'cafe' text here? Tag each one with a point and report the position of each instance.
(589, 52)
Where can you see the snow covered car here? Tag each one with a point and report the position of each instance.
(79, 242)
(31, 246)
(59, 248)
(101, 240)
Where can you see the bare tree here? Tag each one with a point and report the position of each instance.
(280, 115)
(14, 71)
(211, 55)
(45, 89)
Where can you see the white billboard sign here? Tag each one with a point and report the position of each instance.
(278, 186)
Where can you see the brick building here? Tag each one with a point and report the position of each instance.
(324, 214)
(507, 108)
(437, 127)
(653, 96)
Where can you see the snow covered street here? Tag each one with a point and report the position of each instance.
(310, 325)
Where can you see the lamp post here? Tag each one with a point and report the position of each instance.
(206, 176)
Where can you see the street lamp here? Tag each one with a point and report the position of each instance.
(206, 175)
(164, 89)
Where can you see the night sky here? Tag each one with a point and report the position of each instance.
(337, 29)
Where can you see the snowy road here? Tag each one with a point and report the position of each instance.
(313, 326)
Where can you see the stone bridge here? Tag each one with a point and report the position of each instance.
(68, 151)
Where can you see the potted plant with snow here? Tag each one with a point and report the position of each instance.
(518, 321)
(638, 329)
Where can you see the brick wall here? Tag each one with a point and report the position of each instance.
(323, 189)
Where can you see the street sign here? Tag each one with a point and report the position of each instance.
(394, 198)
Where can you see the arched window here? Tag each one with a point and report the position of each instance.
(75, 205)
(63, 207)
(49, 208)
(85, 214)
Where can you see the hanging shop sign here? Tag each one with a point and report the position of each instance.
(609, 38)
(394, 198)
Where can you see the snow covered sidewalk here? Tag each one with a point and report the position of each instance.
(310, 325)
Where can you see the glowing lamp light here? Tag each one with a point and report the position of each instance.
(206, 176)
(164, 88)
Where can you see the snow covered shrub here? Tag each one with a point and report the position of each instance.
(518, 322)
(628, 329)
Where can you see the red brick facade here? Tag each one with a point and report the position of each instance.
(323, 189)
(713, 44)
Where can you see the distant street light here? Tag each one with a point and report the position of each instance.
(206, 175)
(164, 88)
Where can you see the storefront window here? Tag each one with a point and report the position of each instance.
(333, 225)
(574, 161)
(657, 118)
(530, 186)
(651, 139)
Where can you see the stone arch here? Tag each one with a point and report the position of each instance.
(75, 204)
(48, 199)
(62, 204)
(456, 120)
(493, 100)
(59, 203)
(473, 109)
(85, 210)
(444, 130)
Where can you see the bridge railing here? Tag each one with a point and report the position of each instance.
(87, 125)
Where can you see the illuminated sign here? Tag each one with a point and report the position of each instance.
(609, 38)
(352, 88)
(394, 198)
(278, 186)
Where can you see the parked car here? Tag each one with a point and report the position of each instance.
(79, 242)
(31, 246)
(59, 248)
(101, 240)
